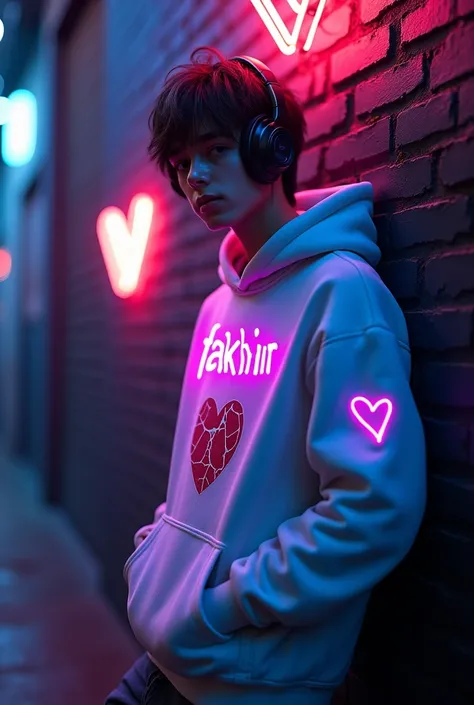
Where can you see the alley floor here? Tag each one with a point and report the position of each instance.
(60, 641)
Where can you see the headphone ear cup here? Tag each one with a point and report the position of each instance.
(250, 148)
(266, 150)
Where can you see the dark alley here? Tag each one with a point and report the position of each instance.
(60, 642)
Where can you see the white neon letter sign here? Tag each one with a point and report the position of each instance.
(286, 40)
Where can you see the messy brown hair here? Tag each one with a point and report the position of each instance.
(227, 95)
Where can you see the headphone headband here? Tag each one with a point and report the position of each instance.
(266, 148)
(269, 79)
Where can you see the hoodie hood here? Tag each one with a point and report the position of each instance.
(336, 218)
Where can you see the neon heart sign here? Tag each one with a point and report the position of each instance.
(362, 415)
(5, 264)
(286, 40)
(123, 242)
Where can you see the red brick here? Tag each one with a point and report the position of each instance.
(442, 329)
(323, 119)
(242, 40)
(420, 121)
(357, 147)
(457, 162)
(371, 9)
(466, 101)
(450, 274)
(309, 164)
(454, 57)
(309, 83)
(411, 178)
(332, 28)
(358, 56)
(431, 16)
(389, 86)
(465, 7)
(283, 66)
(438, 222)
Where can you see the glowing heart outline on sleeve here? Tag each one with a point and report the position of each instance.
(373, 408)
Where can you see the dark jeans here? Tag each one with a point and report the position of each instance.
(145, 684)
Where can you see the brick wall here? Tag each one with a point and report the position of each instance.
(388, 90)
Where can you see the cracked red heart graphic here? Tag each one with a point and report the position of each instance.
(215, 440)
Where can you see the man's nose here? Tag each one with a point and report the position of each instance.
(198, 173)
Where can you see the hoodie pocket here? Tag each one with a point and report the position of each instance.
(166, 577)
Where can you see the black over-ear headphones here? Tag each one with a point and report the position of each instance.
(266, 149)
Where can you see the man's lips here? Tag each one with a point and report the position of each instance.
(209, 201)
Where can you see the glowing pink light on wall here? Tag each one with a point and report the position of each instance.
(5, 264)
(123, 242)
(286, 40)
(364, 412)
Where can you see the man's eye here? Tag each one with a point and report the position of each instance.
(219, 146)
(180, 163)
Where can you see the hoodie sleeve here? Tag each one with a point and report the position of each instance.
(143, 532)
(365, 441)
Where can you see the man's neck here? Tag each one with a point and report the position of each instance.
(262, 224)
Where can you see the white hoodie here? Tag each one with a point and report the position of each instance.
(298, 477)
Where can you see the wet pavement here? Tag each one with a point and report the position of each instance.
(61, 643)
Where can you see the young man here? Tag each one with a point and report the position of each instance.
(297, 479)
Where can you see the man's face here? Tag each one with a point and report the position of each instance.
(213, 167)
